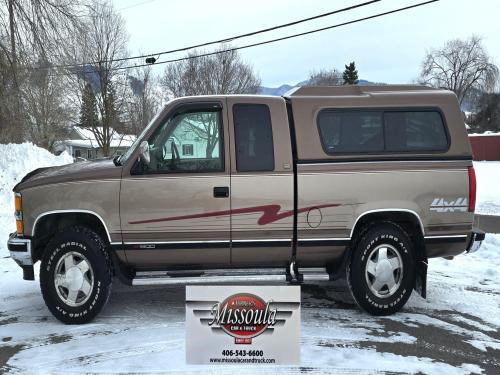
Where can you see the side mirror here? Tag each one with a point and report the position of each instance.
(144, 152)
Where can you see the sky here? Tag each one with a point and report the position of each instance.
(388, 49)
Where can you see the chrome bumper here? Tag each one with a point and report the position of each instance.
(475, 241)
(20, 250)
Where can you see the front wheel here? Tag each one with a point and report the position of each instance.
(381, 271)
(75, 275)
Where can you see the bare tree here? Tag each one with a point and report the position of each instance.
(221, 73)
(103, 41)
(142, 101)
(460, 66)
(32, 30)
(325, 77)
(44, 102)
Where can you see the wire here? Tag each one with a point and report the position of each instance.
(96, 71)
(137, 4)
(282, 38)
(229, 39)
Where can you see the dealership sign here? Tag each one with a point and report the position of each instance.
(243, 324)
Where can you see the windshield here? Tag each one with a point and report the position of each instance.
(139, 139)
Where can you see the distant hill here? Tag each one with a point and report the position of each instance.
(279, 91)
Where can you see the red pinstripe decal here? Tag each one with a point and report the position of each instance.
(270, 214)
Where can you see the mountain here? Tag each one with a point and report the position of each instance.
(275, 91)
(279, 91)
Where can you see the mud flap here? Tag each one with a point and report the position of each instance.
(124, 274)
(421, 278)
(28, 273)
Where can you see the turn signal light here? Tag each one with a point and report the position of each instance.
(18, 202)
(20, 227)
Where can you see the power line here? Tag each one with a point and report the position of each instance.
(268, 41)
(137, 4)
(282, 38)
(225, 40)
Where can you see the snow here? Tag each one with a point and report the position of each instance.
(488, 187)
(16, 160)
(455, 330)
(487, 133)
(89, 139)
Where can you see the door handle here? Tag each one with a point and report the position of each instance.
(221, 192)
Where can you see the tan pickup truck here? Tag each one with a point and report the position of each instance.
(367, 182)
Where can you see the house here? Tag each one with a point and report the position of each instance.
(82, 143)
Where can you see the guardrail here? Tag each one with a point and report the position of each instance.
(487, 223)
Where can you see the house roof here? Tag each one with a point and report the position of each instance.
(87, 138)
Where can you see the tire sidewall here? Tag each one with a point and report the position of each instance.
(390, 235)
(81, 243)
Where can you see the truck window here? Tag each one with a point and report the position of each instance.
(187, 142)
(415, 131)
(378, 131)
(253, 138)
(351, 131)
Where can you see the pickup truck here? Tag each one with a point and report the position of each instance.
(366, 182)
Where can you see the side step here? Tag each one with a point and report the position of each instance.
(238, 276)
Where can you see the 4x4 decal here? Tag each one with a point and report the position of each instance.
(443, 205)
(270, 214)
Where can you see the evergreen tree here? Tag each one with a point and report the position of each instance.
(88, 110)
(350, 74)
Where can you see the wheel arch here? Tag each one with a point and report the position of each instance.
(48, 223)
(409, 219)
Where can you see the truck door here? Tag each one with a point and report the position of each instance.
(261, 182)
(175, 211)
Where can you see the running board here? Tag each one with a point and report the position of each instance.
(240, 276)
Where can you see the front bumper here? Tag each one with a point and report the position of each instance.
(20, 250)
(475, 241)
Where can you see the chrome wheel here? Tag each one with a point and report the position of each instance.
(384, 271)
(74, 279)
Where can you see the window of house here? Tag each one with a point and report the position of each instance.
(89, 154)
(78, 154)
(253, 137)
(187, 150)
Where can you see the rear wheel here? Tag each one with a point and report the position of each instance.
(75, 275)
(381, 271)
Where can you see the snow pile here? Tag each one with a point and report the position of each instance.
(16, 160)
(488, 187)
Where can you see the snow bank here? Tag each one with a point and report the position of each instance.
(488, 187)
(16, 160)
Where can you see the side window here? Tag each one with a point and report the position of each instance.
(351, 131)
(187, 142)
(376, 131)
(253, 138)
(415, 131)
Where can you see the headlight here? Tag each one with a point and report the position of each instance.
(18, 203)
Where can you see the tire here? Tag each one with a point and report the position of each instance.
(369, 270)
(75, 275)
